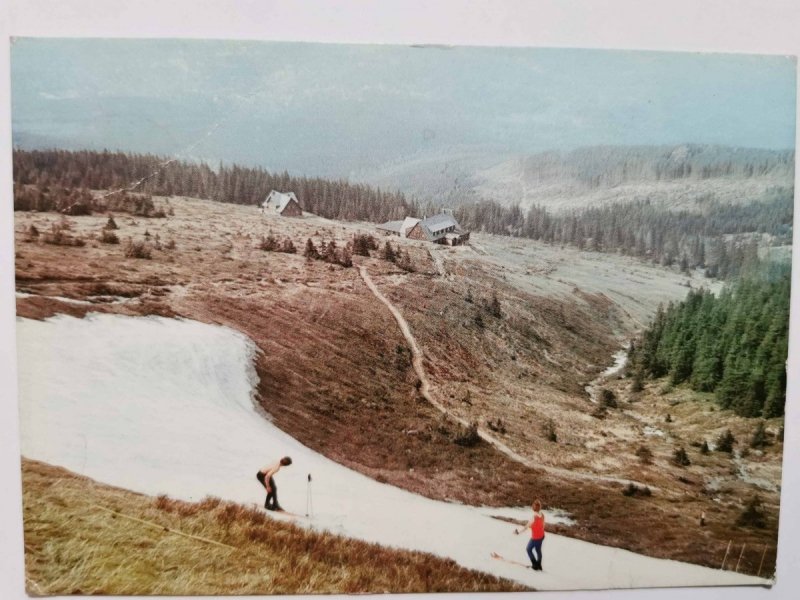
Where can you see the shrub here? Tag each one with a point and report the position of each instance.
(310, 250)
(468, 436)
(108, 237)
(78, 209)
(111, 223)
(137, 250)
(404, 262)
(388, 252)
(634, 490)
(680, 458)
(549, 430)
(497, 425)
(704, 447)
(668, 418)
(58, 237)
(645, 455)
(162, 502)
(725, 442)
(637, 385)
(493, 307)
(344, 258)
(608, 398)
(759, 439)
(752, 515)
(268, 243)
(329, 252)
(363, 243)
(288, 246)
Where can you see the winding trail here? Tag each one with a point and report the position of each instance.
(425, 390)
(436, 257)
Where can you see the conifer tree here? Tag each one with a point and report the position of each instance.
(389, 253)
(310, 251)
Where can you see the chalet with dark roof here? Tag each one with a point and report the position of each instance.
(278, 203)
(439, 229)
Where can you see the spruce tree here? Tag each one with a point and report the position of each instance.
(310, 251)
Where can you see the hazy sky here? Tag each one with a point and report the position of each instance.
(336, 109)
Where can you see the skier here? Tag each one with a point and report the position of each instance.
(536, 525)
(265, 476)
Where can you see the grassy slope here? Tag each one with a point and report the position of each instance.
(74, 547)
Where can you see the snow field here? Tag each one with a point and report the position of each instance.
(164, 406)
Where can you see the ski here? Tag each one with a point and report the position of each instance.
(497, 556)
(287, 514)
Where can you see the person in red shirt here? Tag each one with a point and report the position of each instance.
(536, 525)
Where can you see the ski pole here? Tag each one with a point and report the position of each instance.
(309, 505)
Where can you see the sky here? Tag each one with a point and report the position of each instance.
(335, 110)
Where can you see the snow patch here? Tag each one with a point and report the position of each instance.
(620, 360)
(90, 300)
(650, 431)
(161, 405)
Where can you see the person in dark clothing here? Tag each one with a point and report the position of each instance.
(265, 477)
(536, 525)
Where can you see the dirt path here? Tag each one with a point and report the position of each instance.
(438, 262)
(425, 390)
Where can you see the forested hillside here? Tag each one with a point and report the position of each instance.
(44, 180)
(678, 177)
(734, 344)
(56, 180)
(614, 165)
(642, 229)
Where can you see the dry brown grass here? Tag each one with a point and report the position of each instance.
(73, 546)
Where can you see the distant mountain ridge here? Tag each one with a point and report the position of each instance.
(607, 166)
(680, 176)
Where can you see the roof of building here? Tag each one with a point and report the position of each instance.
(394, 226)
(433, 227)
(399, 227)
(278, 200)
(436, 226)
(408, 223)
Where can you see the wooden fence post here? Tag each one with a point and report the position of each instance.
(740, 558)
(761, 564)
(726, 555)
